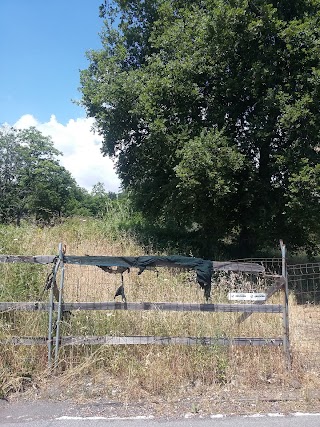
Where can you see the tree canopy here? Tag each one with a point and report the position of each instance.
(32, 182)
(211, 109)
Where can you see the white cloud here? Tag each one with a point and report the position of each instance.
(81, 150)
(26, 121)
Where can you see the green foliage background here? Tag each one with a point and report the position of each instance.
(211, 110)
(34, 186)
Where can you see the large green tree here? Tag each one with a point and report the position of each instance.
(211, 108)
(32, 182)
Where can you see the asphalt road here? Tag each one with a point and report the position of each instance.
(261, 421)
(65, 414)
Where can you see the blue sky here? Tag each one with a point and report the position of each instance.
(43, 45)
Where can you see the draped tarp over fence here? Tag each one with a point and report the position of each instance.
(204, 268)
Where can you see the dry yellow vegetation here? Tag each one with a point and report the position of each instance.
(145, 371)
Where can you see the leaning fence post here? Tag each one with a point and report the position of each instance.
(286, 339)
(61, 256)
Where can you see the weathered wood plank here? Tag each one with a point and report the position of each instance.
(24, 306)
(243, 267)
(36, 259)
(143, 306)
(162, 306)
(24, 341)
(159, 340)
(145, 340)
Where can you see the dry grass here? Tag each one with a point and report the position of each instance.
(143, 371)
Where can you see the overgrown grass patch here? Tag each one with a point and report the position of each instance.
(141, 371)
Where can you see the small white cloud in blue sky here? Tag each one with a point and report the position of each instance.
(82, 156)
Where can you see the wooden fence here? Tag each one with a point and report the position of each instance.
(57, 307)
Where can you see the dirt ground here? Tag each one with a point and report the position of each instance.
(90, 399)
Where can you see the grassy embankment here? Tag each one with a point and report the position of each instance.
(133, 372)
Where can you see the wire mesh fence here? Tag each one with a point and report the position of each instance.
(304, 285)
(182, 323)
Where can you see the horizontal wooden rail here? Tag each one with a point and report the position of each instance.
(142, 306)
(37, 259)
(24, 341)
(145, 340)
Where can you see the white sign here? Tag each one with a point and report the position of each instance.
(246, 296)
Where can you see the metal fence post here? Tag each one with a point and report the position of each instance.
(286, 338)
(61, 256)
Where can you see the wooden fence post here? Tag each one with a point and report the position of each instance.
(51, 309)
(61, 259)
(286, 337)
